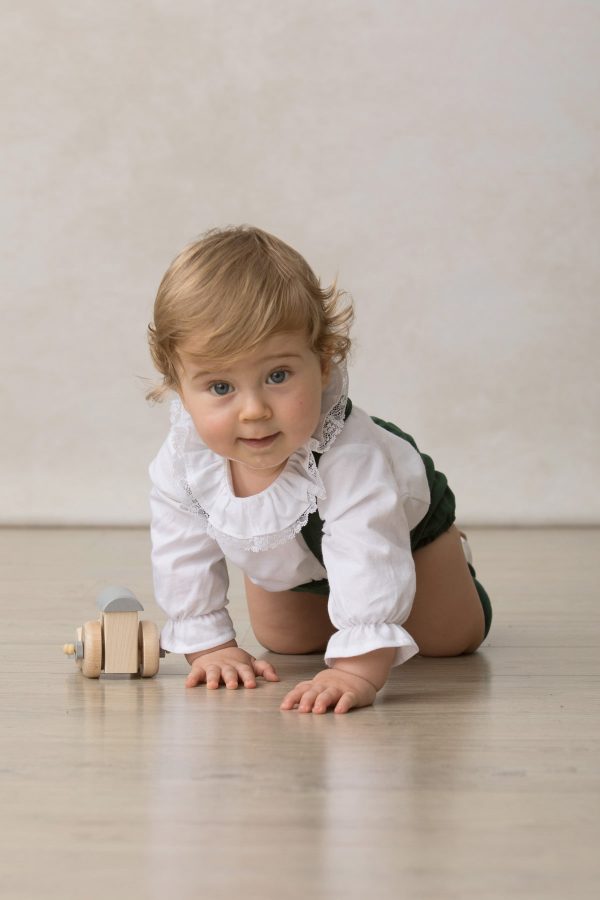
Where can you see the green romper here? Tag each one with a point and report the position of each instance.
(438, 519)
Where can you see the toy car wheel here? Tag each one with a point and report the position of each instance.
(91, 664)
(79, 638)
(149, 649)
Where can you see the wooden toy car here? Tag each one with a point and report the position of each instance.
(117, 643)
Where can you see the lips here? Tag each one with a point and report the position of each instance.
(260, 442)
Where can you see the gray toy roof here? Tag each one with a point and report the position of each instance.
(118, 599)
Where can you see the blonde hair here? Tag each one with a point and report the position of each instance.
(232, 289)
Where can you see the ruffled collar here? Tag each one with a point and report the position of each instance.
(275, 515)
(333, 409)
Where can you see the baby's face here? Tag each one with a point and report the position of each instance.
(260, 409)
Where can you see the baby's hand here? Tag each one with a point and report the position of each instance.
(331, 687)
(230, 665)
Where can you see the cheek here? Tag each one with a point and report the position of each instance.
(212, 427)
(305, 408)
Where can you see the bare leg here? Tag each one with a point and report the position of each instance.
(289, 621)
(446, 618)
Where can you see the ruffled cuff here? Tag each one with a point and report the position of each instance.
(359, 639)
(197, 632)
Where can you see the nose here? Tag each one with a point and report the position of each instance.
(254, 407)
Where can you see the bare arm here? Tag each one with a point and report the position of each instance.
(373, 667)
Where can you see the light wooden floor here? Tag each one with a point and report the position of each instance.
(475, 777)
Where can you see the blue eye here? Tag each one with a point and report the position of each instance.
(279, 376)
(220, 388)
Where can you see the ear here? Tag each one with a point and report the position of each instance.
(325, 370)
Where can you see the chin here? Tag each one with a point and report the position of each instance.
(265, 464)
(261, 461)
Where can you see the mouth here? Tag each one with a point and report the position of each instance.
(260, 442)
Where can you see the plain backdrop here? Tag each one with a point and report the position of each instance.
(440, 158)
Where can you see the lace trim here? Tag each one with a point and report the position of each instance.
(256, 543)
(332, 424)
(178, 437)
(261, 542)
(333, 421)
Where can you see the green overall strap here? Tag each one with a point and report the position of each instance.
(438, 518)
(313, 530)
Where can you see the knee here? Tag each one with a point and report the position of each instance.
(450, 641)
(445, 647)
(288, 644)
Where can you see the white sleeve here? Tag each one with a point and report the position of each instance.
(188, 567)
(367, 554)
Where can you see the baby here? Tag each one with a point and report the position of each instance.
(344, 530)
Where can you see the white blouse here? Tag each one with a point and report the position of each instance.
(370, 489)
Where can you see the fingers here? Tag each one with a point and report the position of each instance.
(196, 676)
(247, 676)
(325, 691)
(310, 699)
(264, 668)
(293, 697)
(307, 696)
(346, 702)
(231, 674)
(230, 677)
(213, 676)
(213, 673)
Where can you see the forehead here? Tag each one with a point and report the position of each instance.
(293, 343)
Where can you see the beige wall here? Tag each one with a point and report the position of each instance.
(442, 157)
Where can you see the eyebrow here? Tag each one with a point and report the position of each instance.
(204, 373)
